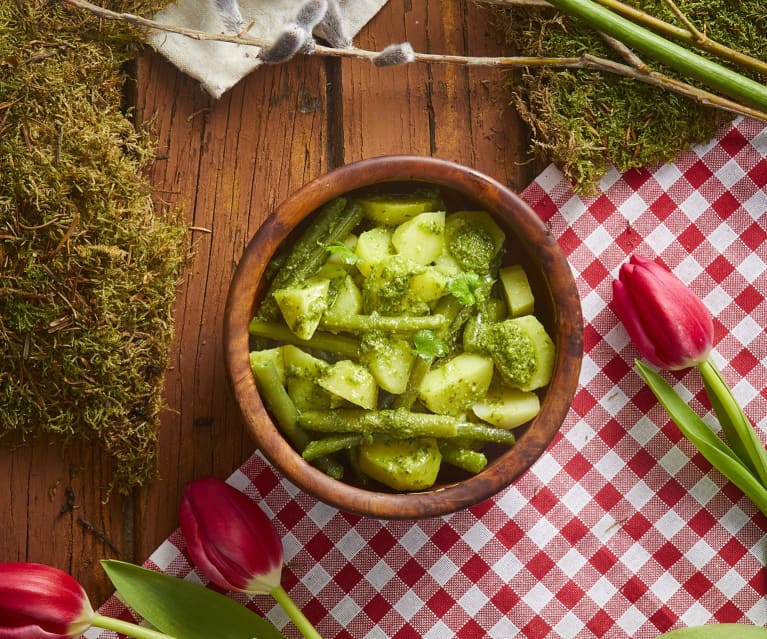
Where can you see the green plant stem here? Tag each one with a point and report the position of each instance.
(127, 628)
(689, 35)
(297, 617)
(675, 56)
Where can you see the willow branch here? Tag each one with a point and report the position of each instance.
(692, 37)
(654, 78)
(245, 38)
(624, 52)
(585, 62)
(699, 37)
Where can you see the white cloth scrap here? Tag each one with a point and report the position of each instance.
(220, 65)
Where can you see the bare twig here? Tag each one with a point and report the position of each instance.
(700, 37)
(670, 84)
(624, 52)
(586, 61)
(99, 534)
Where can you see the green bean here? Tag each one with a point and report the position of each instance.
(281, 406)
(399, 423)
(456, 315)
(485, 433)
(340, 344)
(460, 457)
(333, 223)
(387, 323)
(332, 444)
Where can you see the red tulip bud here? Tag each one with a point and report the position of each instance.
(41, 602)
(667, 322)
(230, 538)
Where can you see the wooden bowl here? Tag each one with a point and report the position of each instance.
(529, 242)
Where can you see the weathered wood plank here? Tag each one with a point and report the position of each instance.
(53, 511)
(452, 112)
(227, 163)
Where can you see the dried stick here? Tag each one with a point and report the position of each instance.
(585, 62)
(700, 37)
(624, 52)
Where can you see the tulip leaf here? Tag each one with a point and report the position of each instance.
(184, 609)
(718, 631)
(719, 454)
(728, 428)
(740, 434)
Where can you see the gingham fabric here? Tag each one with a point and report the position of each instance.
(620, 529)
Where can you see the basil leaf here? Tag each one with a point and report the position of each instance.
(346, 254)
(428, 345)
(462, 287)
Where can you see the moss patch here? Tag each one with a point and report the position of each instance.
(88, 270)
(585, 121)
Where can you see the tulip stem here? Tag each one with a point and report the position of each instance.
(298, 618)
(127, 628)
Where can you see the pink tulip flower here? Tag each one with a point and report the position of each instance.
(235, 545)
(41, 602)
(668, 323)
(672, 328)
(230, 538)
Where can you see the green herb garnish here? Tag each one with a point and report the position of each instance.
(344, 253)
(428, 345)
(462, 287)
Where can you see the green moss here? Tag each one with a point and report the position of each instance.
(88, 268)
(586, 121)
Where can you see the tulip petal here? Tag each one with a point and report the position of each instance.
(670, 325)
(230, 538)
(680, 325)
(623, 307)
(194, 544)
(41, 602)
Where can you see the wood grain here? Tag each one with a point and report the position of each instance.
(454, 113)
(53, 511)
(227, 164)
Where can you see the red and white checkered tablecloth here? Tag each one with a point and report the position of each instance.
(620, 529)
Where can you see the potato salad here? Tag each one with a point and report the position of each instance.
(396, 336)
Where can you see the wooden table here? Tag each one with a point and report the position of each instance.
(228, 163)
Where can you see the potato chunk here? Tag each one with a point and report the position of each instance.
(402, 464)
(452, 388)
